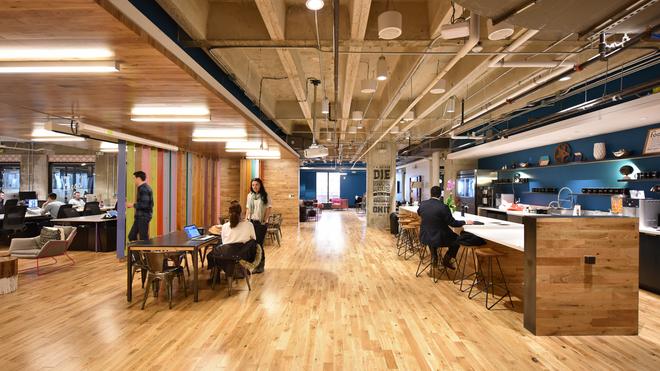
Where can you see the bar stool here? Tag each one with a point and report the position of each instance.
(487, 281)
(411, 239)
(399, 236)
(464, 257)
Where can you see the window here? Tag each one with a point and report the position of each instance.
(67, 178)
(10, 181)
(327, 186)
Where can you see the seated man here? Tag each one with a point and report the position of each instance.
(51, 206)
(77, 201)
(434, 229)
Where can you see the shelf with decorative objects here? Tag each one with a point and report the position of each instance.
(574, 163)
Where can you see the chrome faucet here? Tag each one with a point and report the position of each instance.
(557, 204)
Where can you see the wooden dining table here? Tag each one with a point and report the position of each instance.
(177, 241)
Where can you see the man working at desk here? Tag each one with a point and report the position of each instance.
(2, 202)
(51, 206)
(434, 229)
(144, 207)
(76, 201)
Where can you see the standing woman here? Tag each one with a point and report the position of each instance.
(257, 211)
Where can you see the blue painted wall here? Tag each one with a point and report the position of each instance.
(578, 176)
(354, 183)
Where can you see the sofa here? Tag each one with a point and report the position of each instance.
(339, 203)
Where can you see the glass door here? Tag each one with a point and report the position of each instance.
(10, 179)
(65, 179)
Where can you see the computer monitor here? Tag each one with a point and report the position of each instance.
(191, 231)
(27, 195)
(33, 203)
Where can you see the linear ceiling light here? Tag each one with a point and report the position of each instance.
(54, 54)
(109, 147)
(43, 135)
(314, 4)
(170, 113)
(219, 135)
(239, 146)
(59, 67)
(263, 155)
(108, 134)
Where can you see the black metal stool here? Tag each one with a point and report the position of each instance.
(466, 253)
(410, 240)
(400, 237)
(487, 281)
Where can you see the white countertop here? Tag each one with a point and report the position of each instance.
(499, 231)
(649, 230)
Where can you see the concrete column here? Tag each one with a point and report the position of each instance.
(121, 199)
(381, 178)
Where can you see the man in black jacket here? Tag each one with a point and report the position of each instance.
(144, 207)
(434, 229)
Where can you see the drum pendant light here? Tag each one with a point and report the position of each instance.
(314, 4)
(451, 105)
(499, 31)
(409, 116)
(381, 69)
(356, 115)
(439, 87)
(389, 25)
(395, 130)
(368, 86)
(325, 106)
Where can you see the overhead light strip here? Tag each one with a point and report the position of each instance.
(100, 133)
(58, 67)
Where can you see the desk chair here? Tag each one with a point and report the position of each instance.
(67, 211)
(92, 208)
(10, 203)
(14, 221)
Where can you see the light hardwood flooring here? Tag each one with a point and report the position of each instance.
(334, 296)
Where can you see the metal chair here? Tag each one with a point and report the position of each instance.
(487, 281)
(28, 248)
(463, 259)
(241, 266)
(157, 270)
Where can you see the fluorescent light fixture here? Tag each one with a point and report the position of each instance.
(175, 118)
(439, 87)
(239, 146)
(261, 154)
(325, 106)
(564, 78)
(170, 110)
(54, 54)
(43, 135)
(109, 147)
(59, 67)
(314, 4)
(381, 69)
(218, 135)
(109, 134)
(368, 86)
(583, 106)
(468, 137)
(170, 113)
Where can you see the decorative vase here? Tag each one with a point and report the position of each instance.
(599, 151)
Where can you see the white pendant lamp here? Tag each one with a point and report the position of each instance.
(360, 125)
(439, 87)
(409, 116)
(451, 105)
(352, 130)
(389, 25)
(325, 106)
(368, 86)
(395, 130)
(314, 4)
(356, 115)
(381, 69)
(329, 137)
(499, 31)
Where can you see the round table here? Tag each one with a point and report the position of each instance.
(8, 274)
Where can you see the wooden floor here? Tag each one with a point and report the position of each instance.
(334, 296)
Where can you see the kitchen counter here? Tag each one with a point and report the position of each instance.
(649, 230)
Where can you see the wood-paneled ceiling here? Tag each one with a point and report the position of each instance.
(269, 48)
(148, 75)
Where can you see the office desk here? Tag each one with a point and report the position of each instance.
(174, 241)
(29, 216)
(90, 219)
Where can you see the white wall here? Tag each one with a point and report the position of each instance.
(414, 169)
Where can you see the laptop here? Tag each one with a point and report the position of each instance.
(32, 204)
(193, 233)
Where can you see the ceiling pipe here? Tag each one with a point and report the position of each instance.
(531, 64)
(472, 40)
(335, 47)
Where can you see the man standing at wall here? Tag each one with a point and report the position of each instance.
(144, 206)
